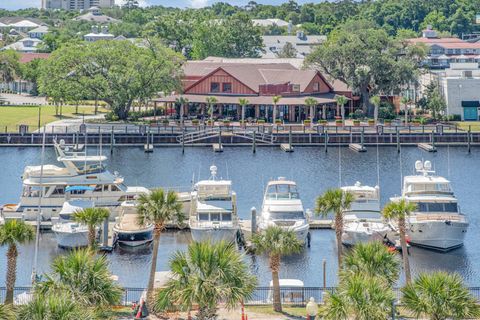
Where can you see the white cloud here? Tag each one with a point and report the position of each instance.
(198, 3)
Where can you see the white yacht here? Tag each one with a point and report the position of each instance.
(213, 214)
(71, 234)
(283, 207)
(82, 176)
(127, 230)
(437, 222)
(363, 222)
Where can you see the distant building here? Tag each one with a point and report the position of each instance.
(38, 32)
(24, 45)
(19, 24)
(301, 42)
(20, 85)
(76, 4)
(270, 22)
(444, 51)
(98, 33)
(460, 86)
(94, 14)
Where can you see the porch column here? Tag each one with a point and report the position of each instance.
(324, 112)
(220, 110)
(257, 111)
(312, 115)
(291, 113)
(239, 111)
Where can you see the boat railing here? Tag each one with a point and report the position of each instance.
(440, 217)
(209, 223)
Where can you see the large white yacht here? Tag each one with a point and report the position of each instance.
(363, 222)
(213, 214)
(283, 207)
(437, 222)
(81, 177)
(71, 234)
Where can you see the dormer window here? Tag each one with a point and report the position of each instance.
(316, 86)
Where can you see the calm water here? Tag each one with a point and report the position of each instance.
(313, 170)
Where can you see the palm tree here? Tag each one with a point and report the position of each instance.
(336, 201)
(404, 101)
(276, 242)
(399, 210)
(13, 233)
(83, 276)
(311, 103)
(53, 307)
(211, 101)
(375, 100)
(359, 297)
(243, 103)
(372, 259)
(205, 276)
(91, 217)
(439, 296)
(6, 312)
(341, 102)
(182, 101)
(275, 100)
(158, 207)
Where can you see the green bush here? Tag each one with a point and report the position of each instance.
(322, 122)
(386, 111)
(111, 116)
(260, 121)
(358, 114)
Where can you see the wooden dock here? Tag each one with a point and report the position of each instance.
(357, 147)
(427, 147)
(217, 147)
(315, 224)
(286, 147)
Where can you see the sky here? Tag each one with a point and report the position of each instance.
(19, 4)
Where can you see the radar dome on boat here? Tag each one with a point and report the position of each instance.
(62, 142)
(418, 165)
(427, 165)
(281, 179)
(213, 170)
(357, 184)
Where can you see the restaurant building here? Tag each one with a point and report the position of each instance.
(258, 83)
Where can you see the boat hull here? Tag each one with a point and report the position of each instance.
(437, 235)
(300, 232)
(69, 240)
(134, 238)
(352, 238)
(214, 234)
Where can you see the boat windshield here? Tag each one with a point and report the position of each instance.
(282, 191)
(437, 207)
(287, 215)
(90, 168)
(428, 187)
(213, 216)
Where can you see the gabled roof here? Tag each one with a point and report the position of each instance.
(13, 20)
(26, 57)
(41, 29)
(24, 24)
(435, 40)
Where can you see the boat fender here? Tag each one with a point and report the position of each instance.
(448, 222)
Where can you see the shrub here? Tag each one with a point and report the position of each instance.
(322, 122)
(260, 121)
(111, 116)
(358, 114)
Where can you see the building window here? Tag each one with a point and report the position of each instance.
(316, 86)
(226, 87)
(215, 87)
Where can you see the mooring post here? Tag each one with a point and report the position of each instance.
(254, 220)
(362, 137)
(220, 135)
(183, 140)
(290, 137)
(433, 139)
(398, 140)
(112, 141)
(324, 267)
(326, 139)
(105, 232)
(254, 142)
(469, 138)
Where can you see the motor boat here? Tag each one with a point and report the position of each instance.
(437, 223)
(128, 231)
(71, 234)
(213, 210)
(283, 207)
(363, 221)
(82, 176)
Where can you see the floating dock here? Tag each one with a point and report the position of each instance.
(217, 147)
(357, 147)
(427, 147)
(286, 147)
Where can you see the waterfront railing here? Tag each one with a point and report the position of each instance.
(293, 296)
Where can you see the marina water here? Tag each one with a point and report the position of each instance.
(312, 169)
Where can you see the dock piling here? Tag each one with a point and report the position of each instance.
(254, 220)
(112, 141)
(254, 142)
(326, 140)
(398, 140)
(469, 138)
(183, 140)
(290, 137)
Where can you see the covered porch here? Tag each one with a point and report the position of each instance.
(288, 109)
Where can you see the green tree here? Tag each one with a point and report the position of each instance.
(9, 66)
(335, 201)
(53, 307)
(243, 102)
(405, 101)
(118, 72)
(375, 101)
(211, 102)
(82, 276)
(276, 242)
(399, 211)
(31, 72)
(205, 276)
(13, 233)
(434, 100)
(341, 102)
(91, 217)
(6, 312)
(275, 101)
(182, 101)
(437, 20)
(359, 297)
(158, 207)
(373, 260)
(439, 296)
(311, 103)
(287, 51)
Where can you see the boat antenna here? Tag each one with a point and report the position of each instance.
(39, 213)
(401, 171)
(100, 151)
(378, 165)
(339, 164)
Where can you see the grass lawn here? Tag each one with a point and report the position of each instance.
(13, 116)
(475, 125)
(268, 310)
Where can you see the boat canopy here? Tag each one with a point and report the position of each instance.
(289, 283)
(79, 188)
(82, 158)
